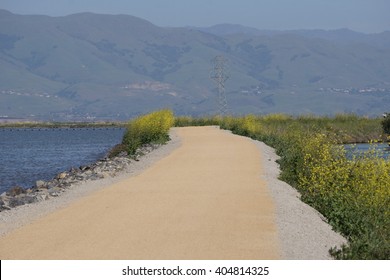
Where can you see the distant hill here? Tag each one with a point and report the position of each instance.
(346, 36)
(90, 66)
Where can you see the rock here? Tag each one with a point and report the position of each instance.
(84, 168)
(42, 197)
(62, 175)
(52, 184)
(97, 169)
(16, 191)
(123, 154)
(63, 185)
(54, 191)
(28, 199)
(40, 184)
(96, 177)
(5, 207)
(74, 171)
(80, 177)
(14, 202)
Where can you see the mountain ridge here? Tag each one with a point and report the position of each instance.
(92, 66)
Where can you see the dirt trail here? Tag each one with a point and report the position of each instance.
(206, 200)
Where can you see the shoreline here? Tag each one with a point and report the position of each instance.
(26, 164)
(27, 213)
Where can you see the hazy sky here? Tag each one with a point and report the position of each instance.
(360, 15)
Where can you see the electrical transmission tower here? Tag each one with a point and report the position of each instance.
(219, 75)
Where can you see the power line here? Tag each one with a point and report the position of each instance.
(219, 75)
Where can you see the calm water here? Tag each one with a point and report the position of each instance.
(28, 155)
(383, 149)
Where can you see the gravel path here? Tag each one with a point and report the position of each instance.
(301, 231)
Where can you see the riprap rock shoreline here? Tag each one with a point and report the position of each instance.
(44, 190)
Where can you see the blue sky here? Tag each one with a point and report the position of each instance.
(368, 16)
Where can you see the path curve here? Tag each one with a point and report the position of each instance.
(206, 200)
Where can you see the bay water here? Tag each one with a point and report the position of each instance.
(28, 155)
(382, 149)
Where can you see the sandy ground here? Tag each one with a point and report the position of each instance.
(208, 194)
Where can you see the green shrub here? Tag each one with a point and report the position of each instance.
(386, 124)
(117, 150)
(151, 128)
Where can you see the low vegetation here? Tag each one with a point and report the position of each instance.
(147, 129)
(386, 123)
(353, 193)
